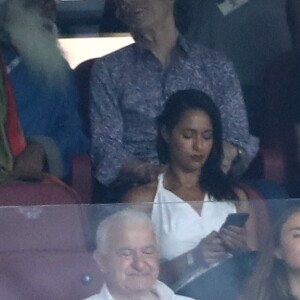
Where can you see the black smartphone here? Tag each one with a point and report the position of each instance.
(236, 219)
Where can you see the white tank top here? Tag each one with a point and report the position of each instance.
(179, 226)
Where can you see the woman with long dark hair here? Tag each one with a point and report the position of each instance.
(193, 196)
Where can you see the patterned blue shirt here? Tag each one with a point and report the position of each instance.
(129, 88)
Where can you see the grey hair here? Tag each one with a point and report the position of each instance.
(127, 216)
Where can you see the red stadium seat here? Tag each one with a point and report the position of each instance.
(43, 253)
(82, 177)
(48, 275)
(49, 193)
(277, 141)
(43, 228)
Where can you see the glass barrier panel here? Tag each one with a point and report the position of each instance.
(202, 249)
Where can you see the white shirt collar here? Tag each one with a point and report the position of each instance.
(162, 290)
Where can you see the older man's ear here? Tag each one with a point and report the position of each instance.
(99, 258)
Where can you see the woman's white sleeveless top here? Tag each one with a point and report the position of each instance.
(179, 226)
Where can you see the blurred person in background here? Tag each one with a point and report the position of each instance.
(40, 83)
(252, 33)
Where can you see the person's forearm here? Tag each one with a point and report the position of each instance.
(172, 270)
(235, 125)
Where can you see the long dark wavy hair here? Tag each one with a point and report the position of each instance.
(212, 179)
(269, 280)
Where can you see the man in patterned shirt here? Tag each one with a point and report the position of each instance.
(129, 88)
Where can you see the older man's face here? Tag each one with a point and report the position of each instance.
(131, 266)
(139, 14)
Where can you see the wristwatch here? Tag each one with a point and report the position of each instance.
(239, 155)
(190, 258)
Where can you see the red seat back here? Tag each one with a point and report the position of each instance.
(14, 194)
(278, 133)
(48, 275)
(43, 228)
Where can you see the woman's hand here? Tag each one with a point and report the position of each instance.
(210, 250)
(234, 238)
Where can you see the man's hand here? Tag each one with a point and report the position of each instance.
(230, 153)
(141, 172)
(30, 163)
(147, 172)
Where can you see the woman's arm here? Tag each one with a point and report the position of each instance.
(141, 197)
(209, 251)
(141, 194)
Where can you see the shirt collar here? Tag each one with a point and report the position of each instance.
(105, 294)
(163, 291)
(182, 48)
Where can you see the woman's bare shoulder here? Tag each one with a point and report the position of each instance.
(243, 204)
(140, 194)
(241, 194)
